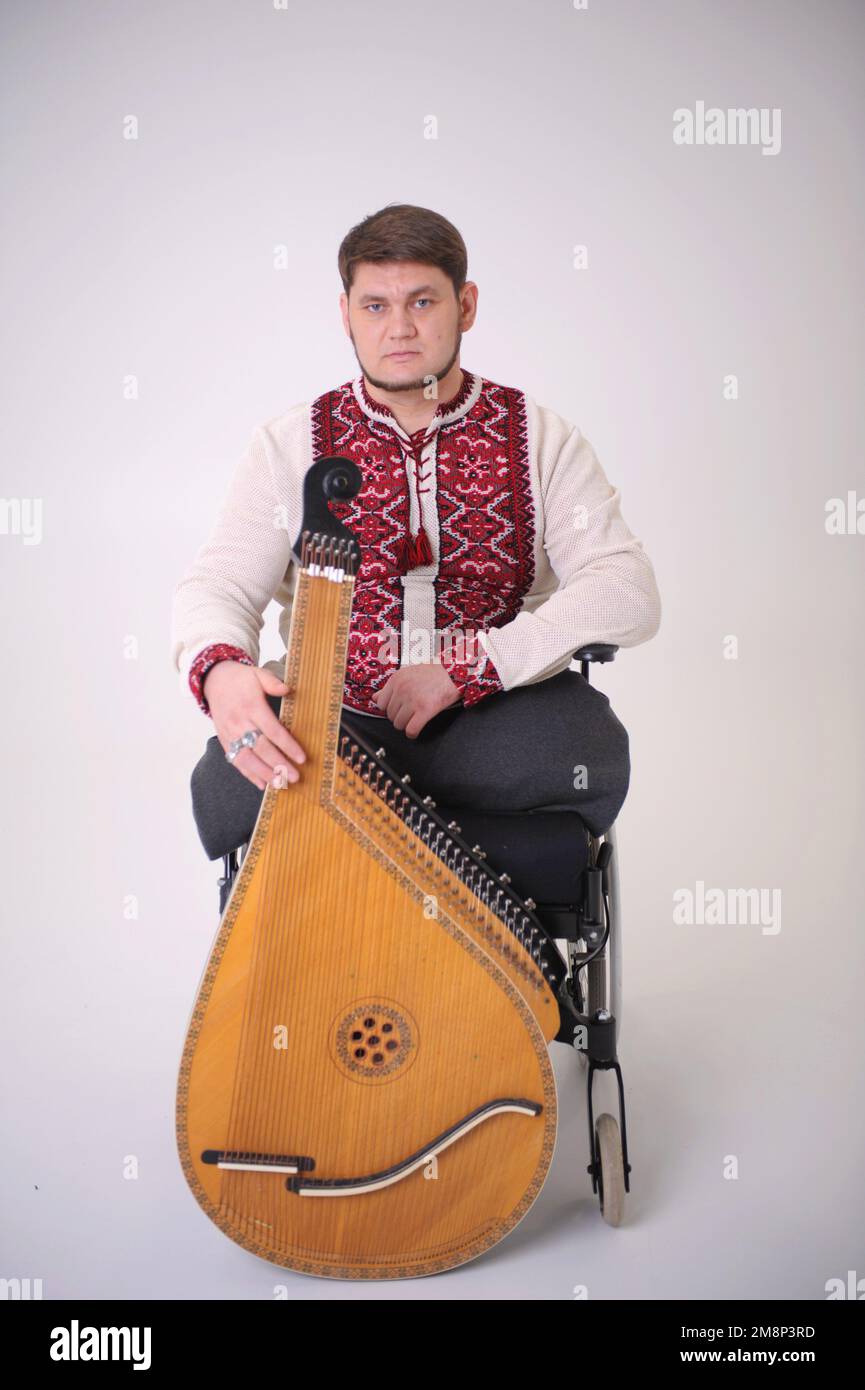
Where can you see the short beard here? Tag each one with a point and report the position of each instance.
(418, 383)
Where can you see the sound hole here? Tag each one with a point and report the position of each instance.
(372, 1040)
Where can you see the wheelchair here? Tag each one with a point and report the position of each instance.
(570, 879)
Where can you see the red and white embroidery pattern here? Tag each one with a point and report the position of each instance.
(480, 523)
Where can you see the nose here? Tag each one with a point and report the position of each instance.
(402, 330)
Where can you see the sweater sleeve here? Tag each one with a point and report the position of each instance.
(220, 600)
(607, 590)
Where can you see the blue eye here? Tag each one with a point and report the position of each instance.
(376, 304)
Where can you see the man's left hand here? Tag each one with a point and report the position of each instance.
(415, 694)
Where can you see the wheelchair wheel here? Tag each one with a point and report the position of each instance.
(610, 1167)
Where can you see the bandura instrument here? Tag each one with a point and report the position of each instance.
(365, 1090)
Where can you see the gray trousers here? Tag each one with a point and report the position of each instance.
(556, 745)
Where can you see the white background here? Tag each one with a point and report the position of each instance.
(155, 258)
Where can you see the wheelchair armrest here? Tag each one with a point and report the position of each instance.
(596, 651)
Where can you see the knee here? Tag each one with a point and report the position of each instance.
(601, 747)
(616, 740)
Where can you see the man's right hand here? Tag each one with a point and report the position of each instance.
(235, 695)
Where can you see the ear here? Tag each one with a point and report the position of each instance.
(469, 304)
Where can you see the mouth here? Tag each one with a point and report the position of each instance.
(401, 356)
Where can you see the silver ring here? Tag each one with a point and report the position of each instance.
(246, 740)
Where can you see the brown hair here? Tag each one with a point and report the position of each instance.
(402, 232)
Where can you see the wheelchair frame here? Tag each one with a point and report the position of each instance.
(591, 999)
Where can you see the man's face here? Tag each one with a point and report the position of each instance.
(405, 322)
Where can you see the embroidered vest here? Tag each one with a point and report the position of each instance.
(445, 520)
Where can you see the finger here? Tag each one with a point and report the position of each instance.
(273, 757)
(279, 736)
(263, 762)
(271, 683)
(401, 713)
(385, 691)
(253, 768)
(417, 722)
(385, 696)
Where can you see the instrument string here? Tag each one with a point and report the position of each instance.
(237, 1133)
(270, 1002)
(270, 1016)
(334, 896)
(343, 901)
(265, 1052)
(288, 816)
(290, 853)
(294, 856)
(276, 1134)
(291, 850)
(342, 898)
(246, 1097)
(339, 892)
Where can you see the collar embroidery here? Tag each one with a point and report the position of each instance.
(458, 405)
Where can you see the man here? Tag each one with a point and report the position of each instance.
(492, 548)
